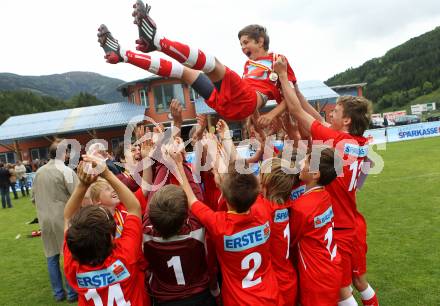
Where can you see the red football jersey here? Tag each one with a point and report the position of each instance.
(119, 280)
(243, 251)
(280, 250)
(211, 192)
(256, 74)
(121, 213)
(178, 265)
(353, 149)
(318, 263)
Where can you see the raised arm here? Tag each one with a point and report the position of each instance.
(293, 103)
(175, 152)
(306, 105)
(125, 195)
(176, 113)
(75, 200)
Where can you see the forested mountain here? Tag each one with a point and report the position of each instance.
(65, 86)
(14, 103)
(400, 76)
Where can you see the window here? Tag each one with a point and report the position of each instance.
(39, 153)
(133, 97)
(163, 95)
(144, 98)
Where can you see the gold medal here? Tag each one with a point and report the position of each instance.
(273, 76)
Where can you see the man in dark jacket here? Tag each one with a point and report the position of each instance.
(4, 186)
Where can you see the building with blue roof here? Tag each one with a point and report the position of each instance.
(29, 136)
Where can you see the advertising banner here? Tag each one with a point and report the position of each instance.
(413, 131)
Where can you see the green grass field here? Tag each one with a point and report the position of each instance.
(401, 205)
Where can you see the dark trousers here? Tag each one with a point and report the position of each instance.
(200, 299)
(23, 186)
(6, 199)
(14, 190)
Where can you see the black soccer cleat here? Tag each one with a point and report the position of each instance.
(110, 45)
(146, 25)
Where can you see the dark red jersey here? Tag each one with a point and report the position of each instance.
(178, 265)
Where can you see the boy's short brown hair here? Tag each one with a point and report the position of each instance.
(240, 190)
(329, 161)
(90, 235)
(276, 181)
(255, 31)
(358, 109)
(168, 210)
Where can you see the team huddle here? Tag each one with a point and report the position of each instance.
(287, 234)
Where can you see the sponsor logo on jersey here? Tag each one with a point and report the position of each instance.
(297, 192)
(114, 273)
(355, 150)
(247, 239)
(324, 218)
(281, 215)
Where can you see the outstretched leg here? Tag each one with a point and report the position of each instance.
(228, 95)
(150, 39)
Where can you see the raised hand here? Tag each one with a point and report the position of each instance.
(176, 111)
(280, 66)
(94, 165)
(84, 177)
(223, 129)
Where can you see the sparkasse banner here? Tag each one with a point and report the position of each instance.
(413, 131)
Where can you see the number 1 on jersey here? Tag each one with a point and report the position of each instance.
(177, 266)
(356, 170)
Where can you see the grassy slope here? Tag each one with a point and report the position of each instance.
(402, 208)
(401, 205)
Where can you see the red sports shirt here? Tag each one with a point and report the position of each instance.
(119, 278)
(121, 213)
(353, 149)
(280, 250)
(178, 264)
(318, 263)
(243, 251)
(256, 74)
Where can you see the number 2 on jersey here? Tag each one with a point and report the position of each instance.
(247, 281)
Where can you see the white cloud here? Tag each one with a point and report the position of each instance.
(320, 38)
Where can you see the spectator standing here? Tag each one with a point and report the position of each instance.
(53, 185)
(4, 186)
(20, 172)
(12, 180)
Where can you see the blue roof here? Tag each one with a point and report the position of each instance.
(70, 120)
(313, 91)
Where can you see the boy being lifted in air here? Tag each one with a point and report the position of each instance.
(233, 97)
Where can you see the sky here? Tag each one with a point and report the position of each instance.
(319, 37)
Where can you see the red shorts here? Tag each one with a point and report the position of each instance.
(318, 296)
(236, 100)
(359, 255)
(344, 240)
